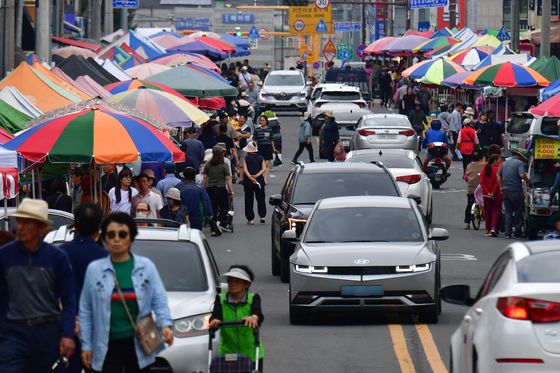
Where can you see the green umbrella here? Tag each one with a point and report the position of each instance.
(12, 120)
(193, 83)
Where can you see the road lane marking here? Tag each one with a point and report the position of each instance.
(430, 349)
(401, 349)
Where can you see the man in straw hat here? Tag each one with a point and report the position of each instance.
(36, 294)
(329, 136)
(510, 179)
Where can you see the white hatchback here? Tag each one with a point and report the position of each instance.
(513, 324)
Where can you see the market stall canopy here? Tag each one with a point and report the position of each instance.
(42, 92)
(146, 70)
(87, 84)
(174, 59)
(18, 101)
(404, 45)
(457, 81)
(67, 85)
(549, 108)
(436, 43)
(75, 66)
(534, 37)
(5, 136)
(469, 57)
(552, 90)
(520, 59)
(9, 176)
(464, 34)
(77, 43)
(377, 46)
(550, 70)
(200, 48)
(94, 133)
(192, 83)
(503, 49)
(433, 71)
(425, 34)
(218, 44)
(443, 32)
(71, 50)
(166, 40)
(487, 40)
(162, 106)
(134, 83)
(11, 120)
(507, 75)
(140, 44)
(112, 69)
(238, 42)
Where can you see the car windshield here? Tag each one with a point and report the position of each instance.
(341, 96)
(389, 161)
(345, 75)
(57, 221)
(385, 122)
(541, 267)
(279, 80)
(363, 224)
(312, 187)
(179, 263)
(549, 126)
(520, 123)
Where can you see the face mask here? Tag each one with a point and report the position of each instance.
(141, 214)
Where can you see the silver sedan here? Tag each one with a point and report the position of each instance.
(384, 131)
(368, 262)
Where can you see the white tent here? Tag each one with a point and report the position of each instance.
(113, 68)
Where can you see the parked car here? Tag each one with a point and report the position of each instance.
(406, 167)
(512, 323)
(518, 130)
(350, 76)
(381, 256)
(191, 278)
(305, 185)
(284, 90)
(384, 131)
(58, 218)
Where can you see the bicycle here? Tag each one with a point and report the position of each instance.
(477, 209)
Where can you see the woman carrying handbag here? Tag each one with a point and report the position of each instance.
(120, 294)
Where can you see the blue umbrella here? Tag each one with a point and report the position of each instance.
(552, 90)
(200, 48)
(238, 42)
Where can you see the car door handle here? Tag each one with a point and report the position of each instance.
(467, 319)
(478, 311)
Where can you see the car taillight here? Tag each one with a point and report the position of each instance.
(366, 132)
(409, 179)
(407, 132)
(534, 310)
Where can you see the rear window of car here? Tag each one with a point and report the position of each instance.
(346, 75)
(520, 123)
(341, 96)
(541, 267)
(179, 263)
(364, 224)
(388, 161)
(385, 122)
(274, 80)
(549, 126)
(312, 187)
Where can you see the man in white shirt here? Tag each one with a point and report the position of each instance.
(147, 196)
(244, 78)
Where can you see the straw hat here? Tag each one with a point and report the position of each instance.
(35, 209)
(173, 193)
(520, 153)
(250, 148)
(469, 111)
(329, 114)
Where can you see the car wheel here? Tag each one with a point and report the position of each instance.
(297, 316)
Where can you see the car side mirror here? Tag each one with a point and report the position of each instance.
(289, 235)
(438, 234)
(416, 198)
(275, 200)
(457, 294)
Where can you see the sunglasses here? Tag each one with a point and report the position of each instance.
(112, 234)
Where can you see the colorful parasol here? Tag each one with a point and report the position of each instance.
(403, 46)
(549, 108)
(96, 133)
(507, 75)
(162, 106)
(436, 43)
(457, 81)
(376, 46)
(433, 71)
(134, 83)
(469, 57)
(146, 70)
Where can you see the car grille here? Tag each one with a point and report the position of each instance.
(283, 96)
(373, 270)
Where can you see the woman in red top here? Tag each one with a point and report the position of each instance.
(467, 142)
(492, 195)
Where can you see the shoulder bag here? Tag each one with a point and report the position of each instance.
(147, 332)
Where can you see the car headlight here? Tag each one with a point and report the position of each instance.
(303, 94)
(191, 326)
(311, 269)
(413, 268)
(292, 222)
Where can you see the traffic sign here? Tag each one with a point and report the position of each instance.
(125, 4)
(503, 35)
(329, 50)
(264, 33)
(322, 4)
(321, 26)
(418, 4)
(344, 52)
(253, 33)
(360, 51)
(316, 65)
(304, 20)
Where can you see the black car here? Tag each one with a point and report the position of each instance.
(306, 184)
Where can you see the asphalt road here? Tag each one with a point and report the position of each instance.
(353, 342)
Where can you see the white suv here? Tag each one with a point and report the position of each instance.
(284, 90)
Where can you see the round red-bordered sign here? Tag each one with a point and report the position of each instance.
(299, 25)
(264, 33)
(322, 4)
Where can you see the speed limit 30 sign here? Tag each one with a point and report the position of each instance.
(322, 4)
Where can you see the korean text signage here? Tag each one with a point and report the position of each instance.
(344, 52)
(202, 24)
(417, 4)
(547, 149)
(347, 27)
(129, 4)
(229, 18)
(310, 20)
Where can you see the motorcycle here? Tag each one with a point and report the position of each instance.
(436, 169)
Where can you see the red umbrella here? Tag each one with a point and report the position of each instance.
(549, 108)
(226, 48)
(376, 46)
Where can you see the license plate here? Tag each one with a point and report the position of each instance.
(513, 145)
(361, 291)
(386, 137)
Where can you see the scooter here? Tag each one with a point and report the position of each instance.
(436, 168)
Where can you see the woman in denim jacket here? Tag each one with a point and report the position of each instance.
(106, 332)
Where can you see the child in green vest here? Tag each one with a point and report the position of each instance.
(238, 304)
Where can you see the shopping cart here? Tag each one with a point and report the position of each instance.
(232, 363)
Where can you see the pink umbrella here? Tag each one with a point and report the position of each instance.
(166, 41)
(403, 46)
(376, 46)
(184, 58)
(426, 34)
(146, 70)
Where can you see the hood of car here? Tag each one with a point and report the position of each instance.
(363, 254)
(282, 89)
(185, 304)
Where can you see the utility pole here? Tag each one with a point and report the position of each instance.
(95, 19)
(515, 25)
(545, 28)
(124, 19)
(9, 34)
(42, 30)
(108, 19)
(19, 23)
(452, 13)
(390, 18)
(364, 23)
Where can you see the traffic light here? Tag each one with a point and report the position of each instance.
(295, 2)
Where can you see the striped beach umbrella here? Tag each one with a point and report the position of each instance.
(433, 71)
(507, 75)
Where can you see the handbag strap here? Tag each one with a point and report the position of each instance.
(121, 295)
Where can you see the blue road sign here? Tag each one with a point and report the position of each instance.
(344, 55)
(360, 50)
(503, 35)
(417, 4)
(253, 33)
(316, 65)
(347, 27)
(321, 26)
(129, 4)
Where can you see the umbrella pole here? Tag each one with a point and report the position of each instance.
(100, 188)
(32, 183)
(39, 182)
(506, 112)
(6, 220)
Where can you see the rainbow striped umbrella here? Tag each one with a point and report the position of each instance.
(134, 83)
(508, 75)
(95, 133)
(436, 43)
(469, 57)
(433, 71)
